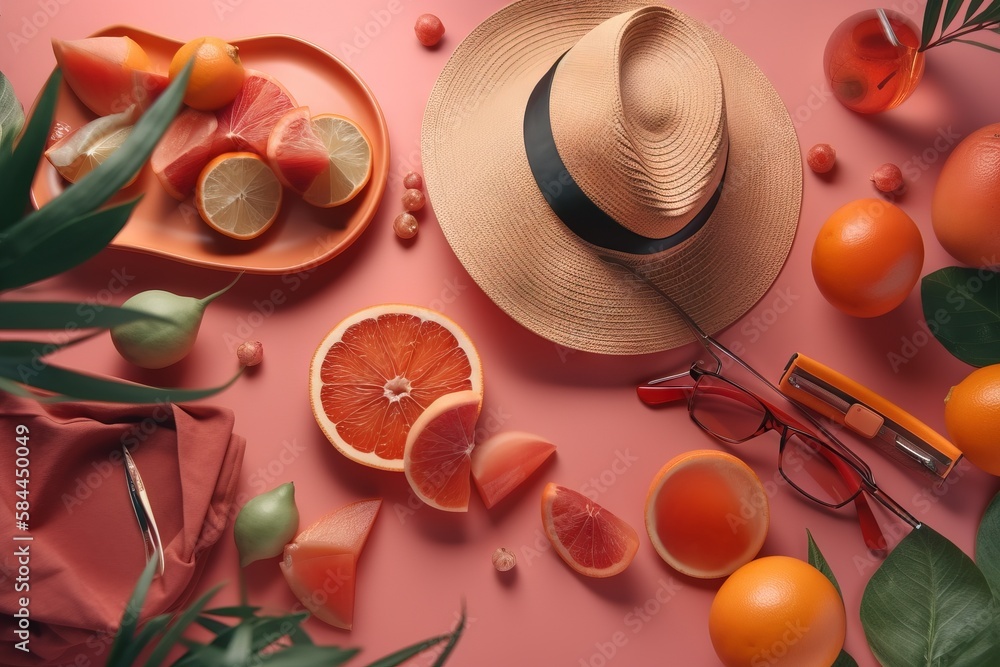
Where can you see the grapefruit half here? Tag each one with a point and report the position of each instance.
(377, 370)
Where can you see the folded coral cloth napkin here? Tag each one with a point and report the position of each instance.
(74, 576)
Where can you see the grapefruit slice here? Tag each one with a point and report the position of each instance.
(591, 540)
(238, 195)
(187, 146)
(295, 152)
(320, 565)
(81, 150)
(707, 513)
(375, 372)
(108, 74)
(504, 461)
(247, 121)
(349, 161)
(436, 458)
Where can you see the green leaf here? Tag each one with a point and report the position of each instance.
(988, 545)
(817, 560)
(11, 116)
(932, 15)
(26, 350)
(233, 612)
(150, 630)
(973, 6)
(130, 618)
(988, 47)
(18, 170)
(91, 191)
(950, 11)
(61, 245)
(452, 641)
(309, 656)
(173, 635)
(66, 316)
(240, 647)
(212, 625)
(962, 308)
(404, 654)
(928, 604)
(72, 385)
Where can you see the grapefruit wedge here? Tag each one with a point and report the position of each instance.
(247, 121)
(437, 456)
(504, 461)
(295, 151)
(188, 145)
(321, 564)
(591, 540)
(80, 151)
(375, 372)
(108, 74)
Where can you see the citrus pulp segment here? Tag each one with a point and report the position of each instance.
(108, 74)
(85, 148)
(186, 147)
(377, 370)
(247, 121)
(707, 513)
(349, 165)
(436, 458)
(320, 565)
(295, 151)
(591, 540)
(504, 461)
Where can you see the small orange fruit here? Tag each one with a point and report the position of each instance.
(966, 204)
(777, 611)
(867, 257)
(707, 513)
(217, 74)
(972, 417)
(238, 195)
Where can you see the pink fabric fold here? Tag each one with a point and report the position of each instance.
(86, 551)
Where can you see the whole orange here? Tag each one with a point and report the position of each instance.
(867, 257)
(217, 74)
(777, 611)
(965, 210)
(972, 417)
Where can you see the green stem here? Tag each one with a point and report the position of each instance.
(961, 32)
(215, 295)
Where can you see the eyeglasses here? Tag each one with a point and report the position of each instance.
(811, 459)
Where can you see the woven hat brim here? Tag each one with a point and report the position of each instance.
(522, 256)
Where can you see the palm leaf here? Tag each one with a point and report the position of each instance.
(932, 16)
(452, 641)
(11, 117)
(18, 169)
(130, 618)
(149, 631)
(65, 316)
(174, 633)
(61, 245)
(404, 654)
(973, 6)
(950, 11)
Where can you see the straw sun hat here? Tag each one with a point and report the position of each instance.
(563, 130)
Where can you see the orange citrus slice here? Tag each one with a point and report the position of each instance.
(377, 370)
(350, 155)
(504, 461)
(321, 564)
(436, 458)
(591, 540)
(707, 513)
(238, 194)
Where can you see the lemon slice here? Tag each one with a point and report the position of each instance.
(238, 195)
(350, 161)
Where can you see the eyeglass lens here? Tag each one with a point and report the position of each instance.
(730, 413)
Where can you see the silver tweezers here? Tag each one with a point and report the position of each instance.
(143, 511)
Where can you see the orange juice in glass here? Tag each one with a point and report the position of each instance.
(872, 60)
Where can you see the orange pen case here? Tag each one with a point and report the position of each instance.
(853, 406)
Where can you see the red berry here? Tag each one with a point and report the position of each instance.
(821, 158)
(405, 226)
(887, 178)
(413, 180)
(413, 200)
(429, 29)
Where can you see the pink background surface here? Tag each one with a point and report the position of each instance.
(420, 563)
